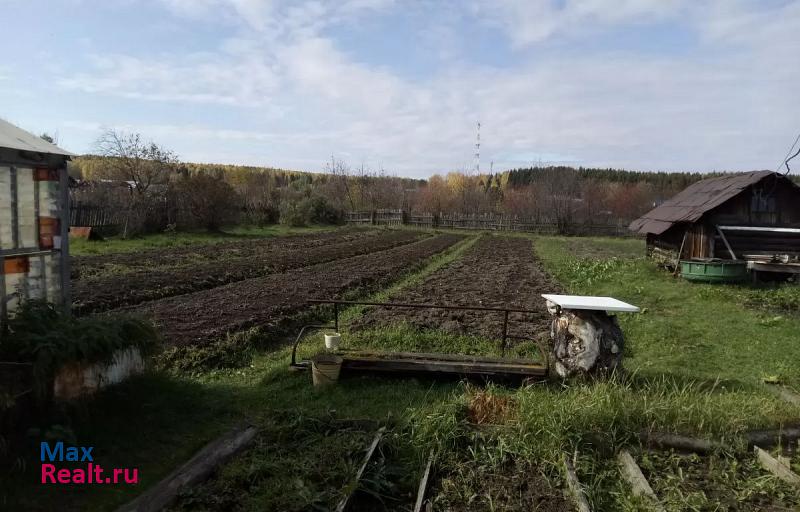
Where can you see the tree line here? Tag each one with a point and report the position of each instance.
(155, 190)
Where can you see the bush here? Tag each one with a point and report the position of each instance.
(209, 202)
(323, 213)
(296, 213)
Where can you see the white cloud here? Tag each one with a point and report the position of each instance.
(531, 21)
(729, 106)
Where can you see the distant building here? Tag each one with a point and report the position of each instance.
(34, 220)
(753, 216)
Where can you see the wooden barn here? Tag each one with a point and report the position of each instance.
(34, 220)
(753, 216)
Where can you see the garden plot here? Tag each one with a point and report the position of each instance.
(494, 272)
(230, 263)
(147, 259)
(206, 316)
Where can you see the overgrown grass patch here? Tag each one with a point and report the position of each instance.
(690, 330)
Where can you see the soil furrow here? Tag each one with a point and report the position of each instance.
(495, 272)
(208, 315)
(101, 293)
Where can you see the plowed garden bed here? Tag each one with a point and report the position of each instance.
(158, 274)
(148, 259)
(495, 272)
(208, 315)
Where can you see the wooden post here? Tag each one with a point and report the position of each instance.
(725, 241)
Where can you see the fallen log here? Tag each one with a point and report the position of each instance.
(196, 470)
(774, 437)
(681, 443)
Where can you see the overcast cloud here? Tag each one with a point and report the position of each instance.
(640, 84)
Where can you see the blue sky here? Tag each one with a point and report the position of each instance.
(399, 85)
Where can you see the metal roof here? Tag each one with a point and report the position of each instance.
(697, 199)
(16, 138)
(590, 303)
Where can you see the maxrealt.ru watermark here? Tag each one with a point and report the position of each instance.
(54, 458)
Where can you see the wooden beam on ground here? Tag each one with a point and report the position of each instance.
(776, 467)
(634, 476)
(196, 470)
(574, 485)
(354, 483)
(766, 438)
(677, 442)
(785, 394)
(423, 485)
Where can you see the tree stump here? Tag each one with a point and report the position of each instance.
(584, 341)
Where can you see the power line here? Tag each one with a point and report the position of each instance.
(787, 158)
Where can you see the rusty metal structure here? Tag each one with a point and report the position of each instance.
(34, 220)
(442, 365)
(752, 216)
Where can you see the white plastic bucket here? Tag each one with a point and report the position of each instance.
(332, 340)
(325, 369)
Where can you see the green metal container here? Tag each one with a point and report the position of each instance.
(714, 271)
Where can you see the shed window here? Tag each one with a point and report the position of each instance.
(762, 202)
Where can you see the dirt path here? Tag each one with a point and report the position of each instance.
(206, 316)
(108, 291)
(495, 272)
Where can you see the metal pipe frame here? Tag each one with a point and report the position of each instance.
(337, 303)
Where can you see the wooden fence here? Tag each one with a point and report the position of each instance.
(89, 215)
(485, 222)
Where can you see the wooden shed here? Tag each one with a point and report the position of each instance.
(752, 216)
(34, 220)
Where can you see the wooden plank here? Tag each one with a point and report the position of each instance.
(690, 444)
(725, 241)
(639, 484)
(353, 485)
(423, 485)
(196, 470)
(574, 485)
(441, 367)
(776, 467)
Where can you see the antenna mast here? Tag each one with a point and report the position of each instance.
(478, 150)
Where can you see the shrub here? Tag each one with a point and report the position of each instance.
(47, 337)
(209, 202)
(296, 213)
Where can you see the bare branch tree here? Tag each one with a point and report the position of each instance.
(134, 160)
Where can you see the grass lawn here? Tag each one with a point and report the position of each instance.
(80, 247)
(697, 356)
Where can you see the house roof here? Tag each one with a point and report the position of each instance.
(16, 138)
(697, 199)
